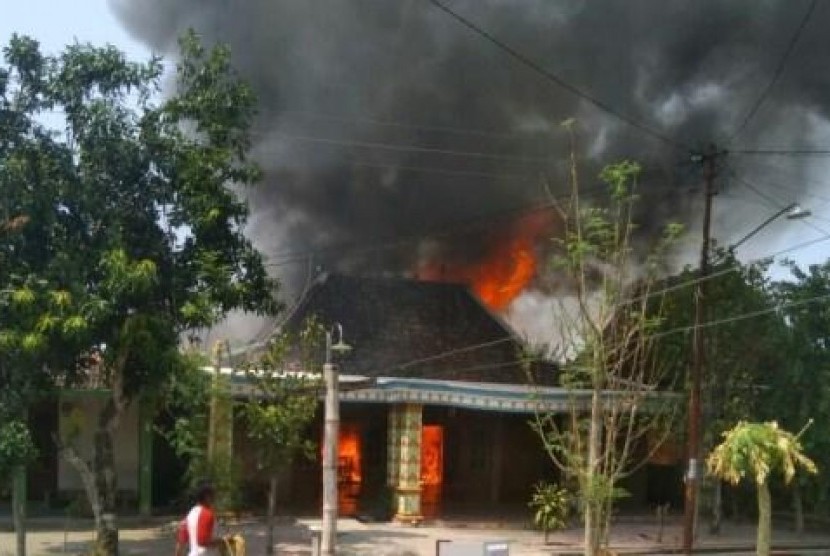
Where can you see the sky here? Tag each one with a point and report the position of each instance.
(56, 23)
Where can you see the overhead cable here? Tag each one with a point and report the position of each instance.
(779, 70)
(553, 78)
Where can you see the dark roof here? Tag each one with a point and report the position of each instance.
(402, 327)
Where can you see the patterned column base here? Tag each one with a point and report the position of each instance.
(409, 505)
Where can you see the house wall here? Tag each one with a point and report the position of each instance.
(80, 411)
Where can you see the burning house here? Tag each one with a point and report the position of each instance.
(436, 403)
(396, 143)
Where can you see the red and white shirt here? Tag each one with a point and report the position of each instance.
(196, 530)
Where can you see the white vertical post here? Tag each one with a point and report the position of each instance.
(330, 451)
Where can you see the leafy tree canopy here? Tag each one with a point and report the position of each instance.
(119, 229)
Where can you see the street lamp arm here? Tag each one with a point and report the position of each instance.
(795, 213)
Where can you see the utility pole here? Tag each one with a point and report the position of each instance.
(331, 437)
(330, 449)
(693, 449)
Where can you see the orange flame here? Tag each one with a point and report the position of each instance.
(507, 269)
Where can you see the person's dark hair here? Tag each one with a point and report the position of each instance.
(204, 493)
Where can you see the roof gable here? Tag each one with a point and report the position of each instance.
(407, 328)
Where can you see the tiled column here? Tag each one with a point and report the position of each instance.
(393, 447)
(405, 461)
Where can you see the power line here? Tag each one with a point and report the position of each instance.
(442, 171)
(405, 125)
(782, 152)
(744, 316)
(281, 259)
(779, 185)
(730, 269)
(552, 77)
(407, 148)
(779, 70)
(775, 204)
(681, 329)
(448, 353)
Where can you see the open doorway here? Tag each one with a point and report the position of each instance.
(432, 469)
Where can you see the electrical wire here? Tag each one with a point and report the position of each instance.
(743, 316)
(775, 204)
(397, 147)
(552, 77)
(441, 171)
(678, 330)
(445, 354)
(728, 270)
(779, 70)
(404, 125)
(783, 152)
(784, 173)
(460, 228)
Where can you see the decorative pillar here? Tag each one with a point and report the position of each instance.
(393, 448)
(497, 463)
(146, 413)
(220, 440)
(404, 473)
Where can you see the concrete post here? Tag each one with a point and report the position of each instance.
(331, 433)
(19, 508)
(145, 458)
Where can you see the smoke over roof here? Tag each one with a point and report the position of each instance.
(384, 120)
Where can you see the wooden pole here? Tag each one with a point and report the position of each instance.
(698, 360)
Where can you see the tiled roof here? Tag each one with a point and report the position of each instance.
(401, 327)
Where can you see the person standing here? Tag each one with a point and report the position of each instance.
(196, 530)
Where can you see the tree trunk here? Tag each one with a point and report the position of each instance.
(106, 530)
(19, 509)
(106, 534)
(593, 502)
(717, 508)
(272, 511)
(762, 547)
(798, 509)
(87, 479)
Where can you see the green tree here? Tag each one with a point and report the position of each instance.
(799, 389)
(282, 407)
(123, 230)
(606, 330)
(755, 450)
(740, 357)
(188, 399)
(17, 450)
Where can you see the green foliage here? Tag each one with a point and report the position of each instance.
(606, 332)
(121, 231)
(756, 450)
(285, 401)
(741, 357)
(799, 389)
(16, 446)
(187, 399)
(551, 507)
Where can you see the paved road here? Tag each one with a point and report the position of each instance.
(294, 539)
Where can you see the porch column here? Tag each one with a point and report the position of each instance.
(404, 474)
(146, 414)
(498, 460)
(220, 439)
(393, 448)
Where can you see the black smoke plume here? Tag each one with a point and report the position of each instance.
(387, 123)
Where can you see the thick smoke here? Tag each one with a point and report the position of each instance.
(365, 106)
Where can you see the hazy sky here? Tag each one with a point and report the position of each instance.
(56, 23)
